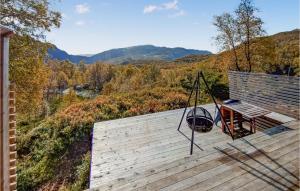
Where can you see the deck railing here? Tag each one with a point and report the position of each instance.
(272, 92)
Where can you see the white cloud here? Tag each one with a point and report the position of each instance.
(172, 5)
(82, 8)
(178, 14)
(64, 16)
(80, 23)
(151, 8)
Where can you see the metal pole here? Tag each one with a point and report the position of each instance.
(194, 119)
(187, 104)
(222, 118)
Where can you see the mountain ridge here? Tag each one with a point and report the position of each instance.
(121, 55)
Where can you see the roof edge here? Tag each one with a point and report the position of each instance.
(5, 31)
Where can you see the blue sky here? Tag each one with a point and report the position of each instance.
(93, 26)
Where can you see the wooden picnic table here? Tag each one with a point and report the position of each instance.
(236, 112)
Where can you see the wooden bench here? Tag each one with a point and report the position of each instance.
(261, 97)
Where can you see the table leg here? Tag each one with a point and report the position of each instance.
(223, 114)
(232, 121)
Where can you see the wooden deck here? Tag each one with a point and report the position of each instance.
(148, 153)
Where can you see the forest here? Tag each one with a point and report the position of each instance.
(59, 101)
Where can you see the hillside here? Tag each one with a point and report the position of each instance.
(121, 55)
(274, 54)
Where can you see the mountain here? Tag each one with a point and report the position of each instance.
(123, 55)
(87, 55)
(56, 53)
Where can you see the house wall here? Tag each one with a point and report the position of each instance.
(1, 111)
(7, 116)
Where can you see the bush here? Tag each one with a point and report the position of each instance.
(42, 149)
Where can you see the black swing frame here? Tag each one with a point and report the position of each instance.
(196, 86)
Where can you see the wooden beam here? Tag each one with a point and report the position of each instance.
(1, 116)
(7, 121)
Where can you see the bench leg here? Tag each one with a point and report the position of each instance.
(254, 125)
(240, 120)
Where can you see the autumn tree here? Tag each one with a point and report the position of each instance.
(67, 67)
(264, 55)
(77, 78)
(51, 85)
(80, 74)
(99, 73)
(152, 73)
(62, 81)
(239, 31)
(249, 27)
(29, 19)
(28, 71)
(227, 37)
(82, 66)
(288, 60)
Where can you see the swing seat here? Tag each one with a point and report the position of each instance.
(203, 120)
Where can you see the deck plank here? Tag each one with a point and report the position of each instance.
(161, 172)
(148, 153)
(236, 169)
(211, 168)
(247, 177)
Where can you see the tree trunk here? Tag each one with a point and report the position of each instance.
(236, 60)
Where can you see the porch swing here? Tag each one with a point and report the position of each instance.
(198, 118)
